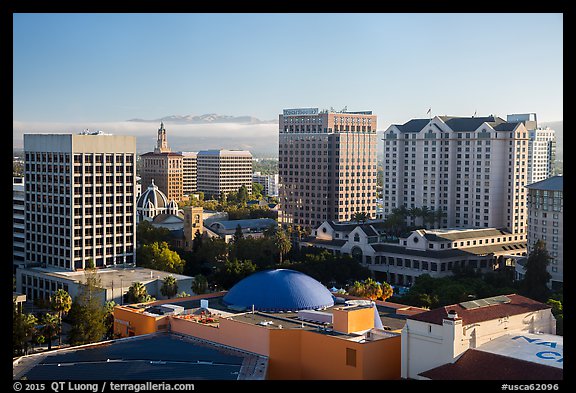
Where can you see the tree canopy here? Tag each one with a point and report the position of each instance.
(159, 256)
(535, 280)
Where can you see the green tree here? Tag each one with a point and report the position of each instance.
(23, 331)
(137, 293)
(439, 215)
(169, 287)
(238, 234)
(282, 243)
(182, 294)
(147, 233)
(197, 242)
(87, 313)
(558, 312)
(242, 195)
(387, 291)
(50, 327)
(234, 271)
(257, 190)
(534, 283)
(199, 284)
(159, 256)
(61, 302)
(109, 319)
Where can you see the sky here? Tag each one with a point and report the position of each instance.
(76, 70)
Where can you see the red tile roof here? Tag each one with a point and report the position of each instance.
(480, 365)
(518, 305)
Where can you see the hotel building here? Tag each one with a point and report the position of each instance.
(327, 165)
(164, 167)
(223, 171)
(473, 168)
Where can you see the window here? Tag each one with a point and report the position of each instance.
(350, 357)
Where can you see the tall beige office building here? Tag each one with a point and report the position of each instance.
(164, 167)
(223, 171)
(475, 169)
(80, 200)
(327, 165)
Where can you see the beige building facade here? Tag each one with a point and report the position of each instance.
(327, 165)
(223, 171)
(80, 200)
(163, 168)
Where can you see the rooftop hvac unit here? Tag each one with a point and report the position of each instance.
(315, 316)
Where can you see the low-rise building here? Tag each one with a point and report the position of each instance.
(41, 283)
(292, 320)
(254, 227)
(446, 335)
(436, 252)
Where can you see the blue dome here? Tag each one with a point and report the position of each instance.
(279, 290)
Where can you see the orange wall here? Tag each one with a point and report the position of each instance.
(305, 354)
(236, 334)
(139, 323)
(384, 362)
(347, 320)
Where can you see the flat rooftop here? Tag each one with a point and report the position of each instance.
(158, 356)
(287, 320)
(112, 277)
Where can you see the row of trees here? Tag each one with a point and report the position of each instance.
(89, 320)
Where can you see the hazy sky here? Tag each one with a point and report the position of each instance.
(75, 68)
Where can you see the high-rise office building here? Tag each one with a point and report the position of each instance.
(546, 223)
(541, 147)
(18, 223)
(80, 200)
(474, 169)
(327, 165)
(164, 167)
(223, 171)
(189, 172)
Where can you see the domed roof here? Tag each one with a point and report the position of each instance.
(154, 196)
(279, 290)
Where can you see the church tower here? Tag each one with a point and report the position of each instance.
(162, 142)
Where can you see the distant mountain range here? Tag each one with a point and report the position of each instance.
(209, 118)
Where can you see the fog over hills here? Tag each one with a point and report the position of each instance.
(200, 132)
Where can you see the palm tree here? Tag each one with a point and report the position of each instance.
(199, 284)
(425, 214)
(438, 216)
(415, 212)
(360, 217)
(282, 243)
(60, 302)
(137, 293)
(169, 287)
(51, 324)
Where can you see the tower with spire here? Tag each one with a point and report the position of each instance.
(162, 142)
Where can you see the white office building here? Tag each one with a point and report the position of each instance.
(18, 225)
(269, 182)
(546, 222)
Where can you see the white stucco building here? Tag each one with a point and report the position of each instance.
(441, 336)
(436, 252)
